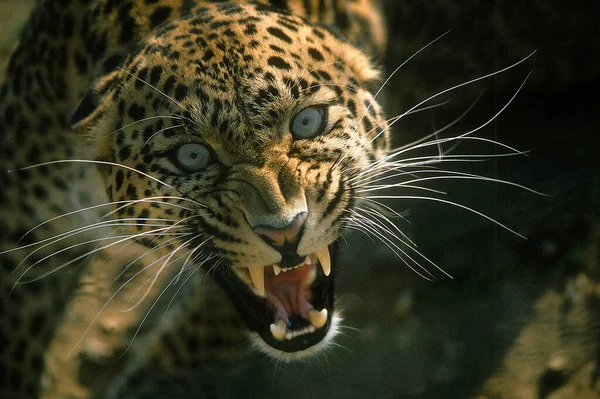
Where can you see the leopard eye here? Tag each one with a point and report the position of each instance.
(309, 122)
(192, 157)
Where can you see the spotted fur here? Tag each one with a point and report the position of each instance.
(99, 97)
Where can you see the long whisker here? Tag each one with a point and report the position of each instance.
(379, 215)
(160, 131)
(386, 82)
(120, 239)
(400, 67)
(434, 199)
(174, 101)
(155, 201)
(93, 207)
(167, 262)
(374, 229)
(450, 89)
(450, 175)
(196, 267)
(410, 166)
(178, 117)
(163, 244)
(117, 291)
(382, 208)
(94, 162)
(461, 85)
(104, 224)
(147, 314)
(437, 142)
(436, 132)
(191, 255)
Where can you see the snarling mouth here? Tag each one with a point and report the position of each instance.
(290, 308)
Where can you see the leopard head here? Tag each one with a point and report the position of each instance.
(232, 139)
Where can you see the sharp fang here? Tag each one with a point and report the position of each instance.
(324, 260)
(278, 330)
(317, 319)
(276, 270)
(307, 261)
(258, 278)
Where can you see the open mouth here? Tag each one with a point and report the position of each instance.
(290, 308)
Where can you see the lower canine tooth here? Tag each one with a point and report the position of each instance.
(317, 319)
(324, 260)
(278, 330)
(257, 273)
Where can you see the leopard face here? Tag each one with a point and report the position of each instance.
(231, 141)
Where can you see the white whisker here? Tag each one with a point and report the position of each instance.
(195, 268)
(167, 262)
(160, 131)
(434, 199)
(119, 238)
(385, 83)
(94, 207)
(376, 230)
(80, 230)
(174, 101)
(450, 175)
(117, 291)
(177, 117)
(461, 85)
(94, 162)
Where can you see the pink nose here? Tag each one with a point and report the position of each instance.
(277, 237)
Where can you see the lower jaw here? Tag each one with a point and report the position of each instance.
(259, 317)
(259, 343)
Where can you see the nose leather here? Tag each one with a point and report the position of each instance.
(278, 237)
(285, 239)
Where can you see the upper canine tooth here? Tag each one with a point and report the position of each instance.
(307, 261)
(276, 270)
(324, 260)
(317, 319)
(257, 273)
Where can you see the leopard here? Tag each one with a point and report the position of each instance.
(218, 149)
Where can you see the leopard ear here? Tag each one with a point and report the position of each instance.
(86, 107)
(94, 100)
(361, 65)
(363, 69)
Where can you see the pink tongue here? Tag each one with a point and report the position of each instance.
(287, 293)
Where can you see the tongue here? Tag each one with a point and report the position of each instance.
(287, 293)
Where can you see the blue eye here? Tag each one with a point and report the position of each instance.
(192, 157)
(309, 122)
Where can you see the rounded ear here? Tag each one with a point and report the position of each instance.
(86, 107)
(362, 67)
(100, 93)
